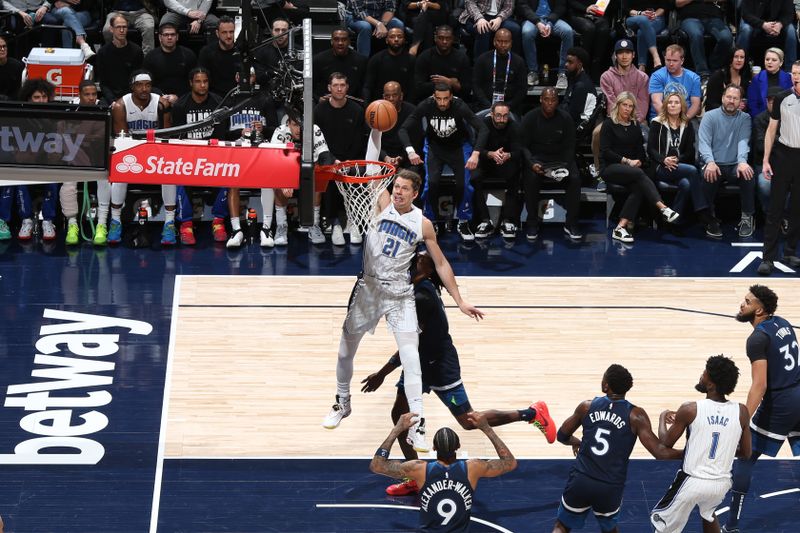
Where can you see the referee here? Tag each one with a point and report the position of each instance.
(781, 169)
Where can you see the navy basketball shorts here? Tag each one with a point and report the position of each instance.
(776, 420)
(584, 494)
(455, 399)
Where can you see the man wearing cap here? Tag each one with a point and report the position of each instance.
(448, 484)
(620, 77)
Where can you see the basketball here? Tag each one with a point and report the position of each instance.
(381, 115)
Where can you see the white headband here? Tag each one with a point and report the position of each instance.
(142, 77)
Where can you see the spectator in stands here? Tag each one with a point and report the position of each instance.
(341, 121)
(194, 14)
(548, 153)
(392, 64)
(760, 123)
(423, 16)
(673, 77)
(447, 131)
(222, 58)
(340, 58)
(482, 18)
(392, 148)
(170, 63)
(10, 71)
(500, 75)
(443, 64)
(499, 164)
(544, 19)
(697, 20)
(580, 98)
(671, 146)
(646, 19)
(623, 161)
(621, 77)
(30, 13)
(267, 58)
(771, 22)
(255, 122)
(116, 61)
(71, 15)
(770, 76)
(38, 91)
(137, 13)
(724, 147)
(736, 71)
(370, 17)
(293, 10)
(594, 26)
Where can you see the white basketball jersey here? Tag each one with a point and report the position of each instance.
(391, 245)
(713, 437)
(141, 120)
(283, 134)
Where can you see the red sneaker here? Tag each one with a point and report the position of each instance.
(544, 422)
(187, 233)
(218, 229)
(404, 488)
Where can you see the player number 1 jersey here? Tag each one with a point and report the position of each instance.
(714, 435)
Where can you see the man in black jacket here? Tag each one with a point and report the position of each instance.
(339, 58)
(499, 75)
(581, 96)
(770, 21)
(392, 64)
(443, 64)
(170, 63)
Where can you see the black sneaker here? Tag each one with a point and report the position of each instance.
(713, 229)
(465, 231)
(485, 230)
(765, 268)
(508, 230)
(573, 232)
(532, 232)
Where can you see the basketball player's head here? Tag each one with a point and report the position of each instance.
(393, 93)
(405, 189)
(141, 85)
(617, 380)
(759, 303)
(721, 374)
(87, 93)
(424, 268)
(446, 443)
(443, 95)
(37, 90)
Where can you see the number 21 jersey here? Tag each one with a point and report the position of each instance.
(390, 247)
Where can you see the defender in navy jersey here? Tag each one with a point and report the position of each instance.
(611, 425)
(774, 397)
(448, 484)
(441, 371)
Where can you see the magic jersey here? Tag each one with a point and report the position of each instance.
(607, 440)
(714, 435)
(283, 134)
(391, 245)
(445, 500)
(141, 120)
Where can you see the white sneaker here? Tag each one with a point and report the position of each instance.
(236, 240)
(561, 82)
(87, 51)
(281, 235)
(340, 410)
(266, 238)
(621, 234)
(669, 215)
(26, 230)
(315, 235)
(48, 230)
(416, 437)
(355, 236)
(337, 236)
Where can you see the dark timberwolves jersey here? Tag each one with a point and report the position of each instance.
(607, 440)
(446, 498)
(782, 354)
(438, 357)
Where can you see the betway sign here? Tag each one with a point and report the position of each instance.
(190, 163)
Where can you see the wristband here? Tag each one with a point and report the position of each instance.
(382, 452)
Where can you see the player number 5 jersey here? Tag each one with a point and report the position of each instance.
(390, 247)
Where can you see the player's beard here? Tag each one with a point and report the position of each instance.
(745, 317)
(701, 387)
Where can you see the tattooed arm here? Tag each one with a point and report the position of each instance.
(398, 469)
(478, 468)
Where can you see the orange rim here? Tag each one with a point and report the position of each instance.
(331, 172)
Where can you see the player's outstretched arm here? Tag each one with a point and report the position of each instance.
(381, 464)
(375, 380)
(758, 386)
(642, 428)
(478, 468)
(445, 271)
(745, 448)
(566, 432)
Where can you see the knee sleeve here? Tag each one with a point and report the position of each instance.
(69, 199)
(348, 345)
(408, 347)
(169, 193)
(118, 193)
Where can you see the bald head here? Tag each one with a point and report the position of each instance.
(393, 92)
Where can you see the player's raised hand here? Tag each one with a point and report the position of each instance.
(478, 419)
(406, 421)
(372, 382)
(471, 311)
(669, 416)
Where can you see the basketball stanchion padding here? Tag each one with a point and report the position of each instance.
(361, 183)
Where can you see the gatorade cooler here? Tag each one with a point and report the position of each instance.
(63, 67)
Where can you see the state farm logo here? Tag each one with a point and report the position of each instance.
(129, 164)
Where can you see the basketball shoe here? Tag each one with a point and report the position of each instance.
(339, 411)
(416, 437)
(544, 422)
(404, 488)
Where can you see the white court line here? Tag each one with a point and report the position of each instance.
(405, 507)
(779, 493)
(173, 327)
(748, 244)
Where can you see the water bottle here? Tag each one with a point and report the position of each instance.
(252, 224)
(143, 213)
(546, 73)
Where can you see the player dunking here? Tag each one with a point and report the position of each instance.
(774, 397)
(448, 484)
(441, 371)
(384, 289)
(716, 427)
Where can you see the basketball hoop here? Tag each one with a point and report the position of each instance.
(361, 183)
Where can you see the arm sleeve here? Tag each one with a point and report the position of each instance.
(704, 141)
(480, 82)
(568, 144)
(757, 346)
(525, 12)
(355, 8)
(507, 9)
(528, 131)
(176, 6)
(422, 82)
(749, 15)
(481, 132)
(577, 102)
(413, 119)
(471, 7)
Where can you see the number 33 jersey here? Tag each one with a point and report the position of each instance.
(607, 440)
(390, 247)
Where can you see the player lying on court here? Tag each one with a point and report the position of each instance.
(448, 484)
(384, 289)
(611, 425)
(718, 430)
(441, 370)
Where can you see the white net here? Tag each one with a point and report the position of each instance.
(360, 199)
